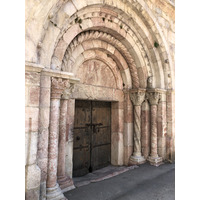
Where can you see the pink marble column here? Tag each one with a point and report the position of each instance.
(137, 97)
(162, 125)
(145, 131)
(154, 159)
(170, 145)
(53, 190)
(65, 182)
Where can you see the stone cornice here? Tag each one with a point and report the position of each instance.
(137, 90)
(170, 91)
(33, 67)
(157, 90)
(60, 74)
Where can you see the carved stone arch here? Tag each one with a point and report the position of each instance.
(121, 47)
(75, 28)
(110, 61)
(103, 41)
(143, 42)
(56, 15)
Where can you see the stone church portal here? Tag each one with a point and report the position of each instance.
(99, 89)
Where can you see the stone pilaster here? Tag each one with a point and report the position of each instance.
(57, 88)
(137, 97)
(32, 171)
(65, 182)
(170, 145)
(43, 136)
(153, 98)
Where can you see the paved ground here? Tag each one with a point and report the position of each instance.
(101, 174)
(144, 183)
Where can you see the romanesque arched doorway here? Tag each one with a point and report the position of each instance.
(101, 51)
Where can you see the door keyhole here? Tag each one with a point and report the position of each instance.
(77, 138)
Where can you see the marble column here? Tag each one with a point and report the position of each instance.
(65, 182)
(137, 97)
(53, 190)
(153, 98)
(145, 130)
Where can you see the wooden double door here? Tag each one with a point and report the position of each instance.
(92, 136)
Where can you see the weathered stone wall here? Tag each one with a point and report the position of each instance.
(32, 95)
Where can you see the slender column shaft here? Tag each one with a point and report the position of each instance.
(145, 129)
(64, 181)
(62, 138)
(154, 131)
(137, 130)
(53, 190)
(137, 97)
(53, 143)
(154, 159)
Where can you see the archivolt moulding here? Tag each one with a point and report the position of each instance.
(89, 35)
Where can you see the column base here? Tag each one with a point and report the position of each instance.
(137, 160)
(66, 183)
(43, 191)
(55, 193)
(155, 161)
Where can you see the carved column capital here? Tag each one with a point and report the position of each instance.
(57, 87)
(68, 91)
(153, 97)
(137, 97)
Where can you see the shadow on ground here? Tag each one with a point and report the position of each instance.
(144, 183)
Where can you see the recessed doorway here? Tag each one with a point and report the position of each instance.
(92, 136)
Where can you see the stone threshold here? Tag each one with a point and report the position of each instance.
(101, 174)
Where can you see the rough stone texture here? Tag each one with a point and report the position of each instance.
(32, 171)
(117, 149)
(43, 135)
(32, 181)
(69, 158)
(31, 140)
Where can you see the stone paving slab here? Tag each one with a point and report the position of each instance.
(101, 174)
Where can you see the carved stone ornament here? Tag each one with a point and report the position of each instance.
(153, 97)
(57, 87)
(137, 98)
(111, 40)
(150, 82)
(67, 92)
